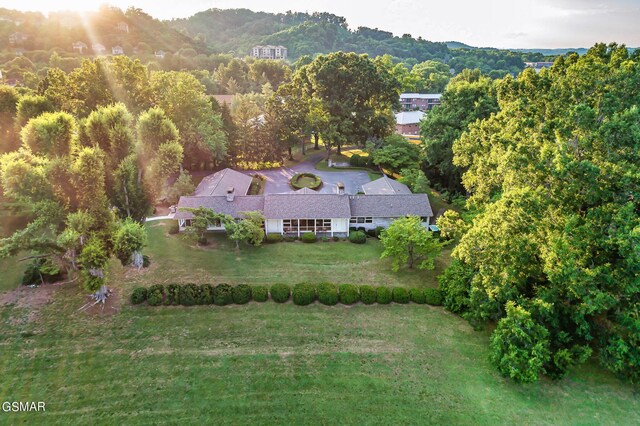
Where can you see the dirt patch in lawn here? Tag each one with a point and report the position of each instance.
(31, 299)
(110, 307)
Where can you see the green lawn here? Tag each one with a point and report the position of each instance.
(269, 363)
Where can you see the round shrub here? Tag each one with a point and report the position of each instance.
(375, 232)
(205, 296)
(417, 296)
(280, 293)
(349, 294)
(138, 295)
(383, 295)
(259, 293)
(172, 293)
(155, 295)
(327, 294)
(306, 180)
(400, 295)
(241, 294)
(223, 294)
(189, 294)
(309, 237)
(357, 237)
(174, 228)
(304, 294)
(367, 294)
(274, 238)
(433, 296)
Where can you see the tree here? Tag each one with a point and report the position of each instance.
(520, 346)
(182, 186)
(50, 134)
(131, 196)
(31, 106)
(8, 108)
(407, 241)
(93, 262)
(128, 242)
(396, 153)
(415, 179)
(249, 229)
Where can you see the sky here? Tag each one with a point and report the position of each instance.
(482, 23)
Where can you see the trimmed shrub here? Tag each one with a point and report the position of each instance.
(325, 239)
(304, 294)
(309, 237)
(295, 181)
(375, 232)
(417, 296)
(259, 293)
(138, 295)
(189, 294)
(155, 295)
(400, 295)
(205, 296)
(241, 294)
(433, 296)
(357, 237)
(174, 228)
(367, 294)
(349, 294)
(280, 293)
(172, 294)
(223, 294)
(274, 238)
(383, 295)
(327, 294)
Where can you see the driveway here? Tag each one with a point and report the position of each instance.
(278, 179)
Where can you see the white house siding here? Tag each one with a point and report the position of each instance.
(380, 221)
(340, 226)
(273, 226)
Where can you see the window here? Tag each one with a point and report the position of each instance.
(361, 219)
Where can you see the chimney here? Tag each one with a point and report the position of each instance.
(340, 186)
(230, 193)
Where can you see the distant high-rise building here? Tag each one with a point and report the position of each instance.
(269, 52)
(419, 101)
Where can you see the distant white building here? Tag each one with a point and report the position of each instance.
(160, 54)
(79, 47)
(122, 27)
(16, 39)
(98, 49)
(538, 66)
(408, 123)
(419, 101)
(117, 50)
(269, 52)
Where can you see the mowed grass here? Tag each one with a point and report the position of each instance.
(275, 364)
(176, 260)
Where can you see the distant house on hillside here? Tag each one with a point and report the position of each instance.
(117, 50)
(79, 47)
(98, 49)
(122, 27)
(16, 39)
(419, 101)
(160, 54)
(408, 122)
(538, 66)
(269, 52)
(224, 99)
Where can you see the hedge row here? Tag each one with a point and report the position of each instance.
(302, 294)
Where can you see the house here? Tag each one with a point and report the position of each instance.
(17, 39)
(269, 52)
(419, 101)
(117, 50)
(122, 27)
(98, 49)
(224, 99)
(305, 210)
(79, 47)
(160, 54)
(408, 123)
(538, 66)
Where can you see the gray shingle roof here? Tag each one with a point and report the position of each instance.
(409, 117)
(385, 186)
(306, 206)
(386, 206)
(219, 182)
(219, 204)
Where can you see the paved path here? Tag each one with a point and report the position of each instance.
(278, 179)
(151, 219)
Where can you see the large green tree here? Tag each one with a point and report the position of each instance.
(555, 176)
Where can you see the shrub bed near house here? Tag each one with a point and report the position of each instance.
(241, 294)
(138, 295)
(259, 293)
(327, 294)
(223, 294)
(205, 295)
(172, 294)
(309, 237)
(400, 295)
(306, 180)
(433, 296)
(155, 295)
(304, 294)
(417, 295)
(367, 294)
(280, 293)
(349, 294)
(383, 295)
(274, 238)
(357, 237)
